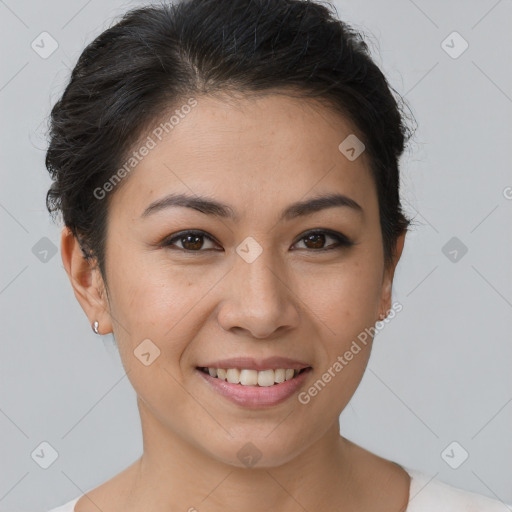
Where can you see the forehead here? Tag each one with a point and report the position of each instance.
(254, 151)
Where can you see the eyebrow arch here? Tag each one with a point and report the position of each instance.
(218, 209)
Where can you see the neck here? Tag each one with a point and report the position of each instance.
(173, 474)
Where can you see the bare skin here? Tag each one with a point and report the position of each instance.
(202, 302)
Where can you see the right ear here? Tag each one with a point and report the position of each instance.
(86, 281)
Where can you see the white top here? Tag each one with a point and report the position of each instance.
(425, 495)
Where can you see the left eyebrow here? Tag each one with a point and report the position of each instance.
(218, 209)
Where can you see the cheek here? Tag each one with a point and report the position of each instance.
(161, 302)
(347, 297)
(150, 294)
(346, 309)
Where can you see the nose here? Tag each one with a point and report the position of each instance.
(258, 298)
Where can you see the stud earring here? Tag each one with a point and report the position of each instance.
(95, 326)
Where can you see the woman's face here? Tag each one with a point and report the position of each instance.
(254, 286)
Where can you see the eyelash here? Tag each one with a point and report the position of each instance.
(342, 240)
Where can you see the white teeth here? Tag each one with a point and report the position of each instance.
(266, 378)
(253, 377)
(233, 375)
(248, 377)
(279, 375)
(288, 374)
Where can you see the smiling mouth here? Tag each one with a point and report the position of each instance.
(246, 377)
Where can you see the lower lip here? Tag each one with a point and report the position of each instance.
(256, 396)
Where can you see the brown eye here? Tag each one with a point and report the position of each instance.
(191, 241)
(316, 240)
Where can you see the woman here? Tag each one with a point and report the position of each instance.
(227, 173)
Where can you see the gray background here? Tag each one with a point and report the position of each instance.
(440, 371)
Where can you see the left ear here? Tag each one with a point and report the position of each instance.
(387, 281)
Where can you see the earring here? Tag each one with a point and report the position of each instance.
(95, 326)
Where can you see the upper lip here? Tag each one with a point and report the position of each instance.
(270, 363)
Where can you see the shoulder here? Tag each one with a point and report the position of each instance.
(111, 492)
(428, 494)
(67, 507)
